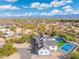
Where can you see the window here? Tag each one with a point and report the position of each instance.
(41, 52)
(45, 51)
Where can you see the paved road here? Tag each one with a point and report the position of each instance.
(24, 53)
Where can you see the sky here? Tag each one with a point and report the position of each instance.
(9, 8)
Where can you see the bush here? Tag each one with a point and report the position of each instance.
(1, 34)
(10, 41)
(29, 26)
(74, 55)
(7, 50)
(55, 33)
(13, 28)
(23, 39)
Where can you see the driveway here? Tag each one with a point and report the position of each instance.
(24, 53)
(54, 55)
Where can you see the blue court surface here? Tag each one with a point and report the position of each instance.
(67, 48)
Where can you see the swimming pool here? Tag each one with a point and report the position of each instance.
(67, 48)
(59, 39)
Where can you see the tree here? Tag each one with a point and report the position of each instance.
(41, 28)
(1, 34)
(68, 37)
(32, 35)
(7, 50)
(10, 41)
(74, 55)
(29, 26)
(23, 39)
(13, 28)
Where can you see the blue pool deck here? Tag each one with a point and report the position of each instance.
(67, 48)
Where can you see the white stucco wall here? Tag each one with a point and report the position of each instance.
(43, 51)
(53, 48)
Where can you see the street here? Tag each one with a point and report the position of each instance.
(24, 53)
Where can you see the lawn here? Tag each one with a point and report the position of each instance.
(59, 44)
(68, 37)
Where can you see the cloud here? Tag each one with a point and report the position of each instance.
(57, 3)
(67, 7)
(6, 14)
(35, 5)
(11, 0)
(78, 11)
(67, 1)
(44, 5)
(59, 12)
(4, 7)
(39, 6)
(69, 10)
(24, 6)
(44, 14)
(55, 12)
(28, 14)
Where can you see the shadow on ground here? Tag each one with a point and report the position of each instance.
(64, 57)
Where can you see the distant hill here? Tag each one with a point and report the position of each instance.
(69, 16)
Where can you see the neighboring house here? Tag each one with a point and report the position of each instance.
(8, 34)
(27, 31)
(18, 32)
(4, 30)
(2, 26)
(44, 45)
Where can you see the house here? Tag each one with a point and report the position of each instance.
(44, 45)
(4, 30)
(43, 51)
(18, 32)
(27, 31)
(8, 34)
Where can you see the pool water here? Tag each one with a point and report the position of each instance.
(67, 48)
(59, 39)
